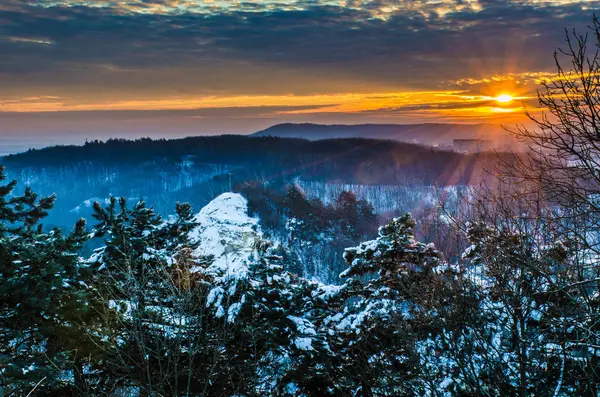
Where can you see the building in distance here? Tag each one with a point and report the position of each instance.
(472, 145)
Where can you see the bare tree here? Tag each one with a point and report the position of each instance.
(539, 236)
(562, 165)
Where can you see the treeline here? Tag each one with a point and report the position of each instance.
(361, 161)
(195, 170)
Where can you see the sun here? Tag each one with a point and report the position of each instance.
(504, 98)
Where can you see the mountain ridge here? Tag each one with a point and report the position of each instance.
(425, 133)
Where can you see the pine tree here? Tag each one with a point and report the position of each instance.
(269, 343)
(291, 343)
(396, 296)
(150, 293)
(42, 293)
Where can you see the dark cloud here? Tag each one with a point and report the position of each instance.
(413, 47)
(451, 106)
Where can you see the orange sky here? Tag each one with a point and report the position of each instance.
(464, 104)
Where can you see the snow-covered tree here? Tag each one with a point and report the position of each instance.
(152, 287)
(42, 295)
(398, 295)
(533, 332)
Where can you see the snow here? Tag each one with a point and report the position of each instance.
(215, 296)
(303, 343)
(368, 247)
(303, 326)
(326, 292)
(468, 251)
(220, 312)
(233, 312)
(227, 233)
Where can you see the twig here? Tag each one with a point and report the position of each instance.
(36, 386)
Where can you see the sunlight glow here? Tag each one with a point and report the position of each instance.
(504, 98)
(454, 106)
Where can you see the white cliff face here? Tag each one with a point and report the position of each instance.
(229, 234)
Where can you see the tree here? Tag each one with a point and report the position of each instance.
(557, 181)
(398, 297)
(561, 166)
(43, 296)
(530, 332)
(356, 217)
(154, 292)
(519, 343)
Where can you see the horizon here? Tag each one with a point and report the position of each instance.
(76, 69)
(16, 145)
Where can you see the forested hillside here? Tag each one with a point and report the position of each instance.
(197, 169)
(362, 161)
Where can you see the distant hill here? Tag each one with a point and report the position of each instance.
(197, 169)
(428, 134)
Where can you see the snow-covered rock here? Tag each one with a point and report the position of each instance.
(227, 233)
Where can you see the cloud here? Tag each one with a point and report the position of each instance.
(28, 40)
(99, 54)
(408, 47)
(7, 111)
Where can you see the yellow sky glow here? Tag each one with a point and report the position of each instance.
(493, 98)
(433, 102)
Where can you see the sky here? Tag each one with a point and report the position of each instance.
(72, 70)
